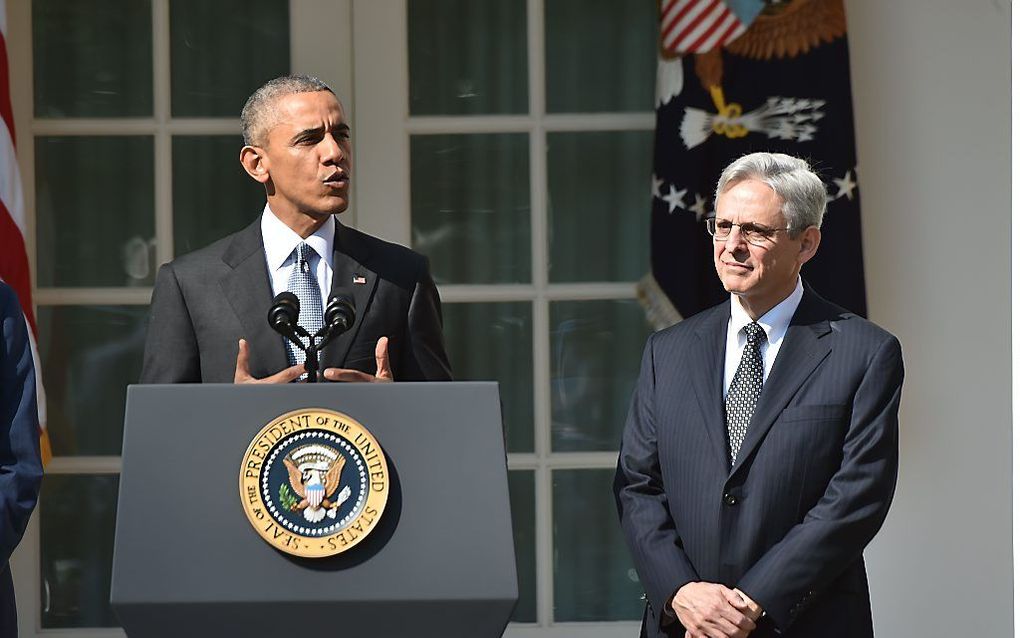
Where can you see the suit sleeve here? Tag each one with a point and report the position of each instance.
(835, 531)
(20, 465)
(641, 501)
(425, 359)
(171, 348)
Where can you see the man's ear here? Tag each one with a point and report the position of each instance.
(255, 163)
(809, 239)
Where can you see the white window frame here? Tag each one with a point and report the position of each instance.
(382, 143)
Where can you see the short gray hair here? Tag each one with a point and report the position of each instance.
(791, 178)
(259, 112)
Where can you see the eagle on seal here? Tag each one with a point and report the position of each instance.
(314, 473)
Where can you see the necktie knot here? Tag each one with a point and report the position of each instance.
(755, 333)
(302, 253)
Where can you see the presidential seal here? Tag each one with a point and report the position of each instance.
(314, 483)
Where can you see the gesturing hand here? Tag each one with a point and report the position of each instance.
(383, 373)
(242, 374)
(711, 610)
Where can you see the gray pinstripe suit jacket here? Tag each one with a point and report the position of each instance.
(813, 481)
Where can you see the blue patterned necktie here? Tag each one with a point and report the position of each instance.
(744, 389)
(303, 283)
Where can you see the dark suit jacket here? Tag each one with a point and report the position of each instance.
(205, 301)
(788, 523)
(20, 465)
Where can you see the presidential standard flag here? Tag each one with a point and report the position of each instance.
(736, 77)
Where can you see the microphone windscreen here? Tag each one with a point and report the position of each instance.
(340, 313)
(283, 314)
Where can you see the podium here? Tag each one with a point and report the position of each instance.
(439, 561)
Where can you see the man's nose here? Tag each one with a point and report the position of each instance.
(333, 150)
(735, 240)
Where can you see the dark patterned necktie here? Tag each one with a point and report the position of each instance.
(745, 388)
(303, 283)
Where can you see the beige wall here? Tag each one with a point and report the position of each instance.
(931, 82)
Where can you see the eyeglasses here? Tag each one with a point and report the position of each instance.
(755, 234)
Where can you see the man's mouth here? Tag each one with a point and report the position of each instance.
(338, 179)
(737, 265)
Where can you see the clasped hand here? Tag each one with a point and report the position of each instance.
(383, 373)
(711, 610)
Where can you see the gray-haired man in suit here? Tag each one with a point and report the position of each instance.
(208, 317)
(759, 456)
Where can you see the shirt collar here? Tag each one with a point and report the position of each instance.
(775, 321)
(280, 241)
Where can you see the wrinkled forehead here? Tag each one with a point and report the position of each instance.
(750, 200)
(308, 102)
(301, 111)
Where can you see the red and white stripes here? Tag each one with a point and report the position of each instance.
(697, 26)
(13, 252)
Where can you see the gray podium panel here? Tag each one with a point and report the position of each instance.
(439, 563)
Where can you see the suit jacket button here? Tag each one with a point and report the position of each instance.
(729, 499)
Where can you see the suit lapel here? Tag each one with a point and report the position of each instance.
(249, 293)
(708, 355)
(804, 347)
(352, 273)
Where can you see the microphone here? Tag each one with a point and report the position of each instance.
(283, 314)
(339, 315)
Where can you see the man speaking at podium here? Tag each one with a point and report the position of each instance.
(208, 316)
(759, 456)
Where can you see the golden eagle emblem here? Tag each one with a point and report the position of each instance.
(314, 472)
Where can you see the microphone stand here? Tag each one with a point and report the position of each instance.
(324, 336)
(337, 319)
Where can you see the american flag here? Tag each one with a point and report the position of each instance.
(698, 26)
(13, 254)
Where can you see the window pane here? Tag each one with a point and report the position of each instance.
(492, 341)
(92, 59)
(470, 206)
(602, 211)
(213, 196)
(76, 522)
(592, 570)
(522, 509)
(467, 57)
(94, 211)
(220, 52)
(601, 55)
(89, 355)
(595, 356)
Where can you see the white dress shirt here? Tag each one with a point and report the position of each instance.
(280, 241)
(775, 322)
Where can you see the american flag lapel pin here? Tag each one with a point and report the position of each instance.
(358, 279)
